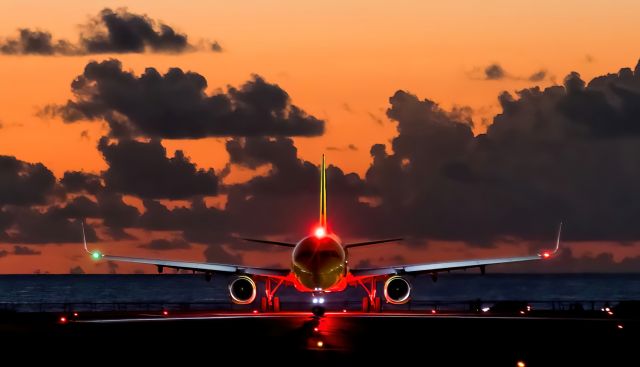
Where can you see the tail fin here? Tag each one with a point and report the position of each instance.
(323, 195)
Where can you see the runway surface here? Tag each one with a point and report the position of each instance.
(394, 337)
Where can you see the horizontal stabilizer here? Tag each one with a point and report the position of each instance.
(278, 243)
(356, 244)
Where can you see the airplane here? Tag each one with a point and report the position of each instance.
(319, 265)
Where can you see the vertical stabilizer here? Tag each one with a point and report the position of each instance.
(323, 195)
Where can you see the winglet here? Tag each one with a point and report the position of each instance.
(558, 239)
(547, 254)
(96, 255)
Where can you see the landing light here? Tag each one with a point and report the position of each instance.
(485, 309)
(320, 232)
(315, 300)
(321, 300)
(63, 320)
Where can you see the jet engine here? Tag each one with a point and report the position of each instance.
(397, 290)
(242, 290)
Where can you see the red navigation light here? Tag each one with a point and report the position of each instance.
(165, 313)
(320, 232)
(63, 320)
(546, 255)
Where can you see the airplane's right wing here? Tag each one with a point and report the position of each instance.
(207, 268)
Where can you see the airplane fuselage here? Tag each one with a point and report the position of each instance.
(319, 263)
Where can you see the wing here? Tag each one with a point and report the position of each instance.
(188, 265)
(441, 266)
(366, 243)
(454, 265)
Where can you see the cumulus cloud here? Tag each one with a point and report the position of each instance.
(110, 31)
(494, 72)
(23, 183)
(143, 169)
(565, 152)
(215, 47)
(175, 105)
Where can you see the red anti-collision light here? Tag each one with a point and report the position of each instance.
(546, 255)
(320, 232)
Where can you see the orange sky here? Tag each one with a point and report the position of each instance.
(339, 61)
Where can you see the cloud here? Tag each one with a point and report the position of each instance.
(538, 76)
(51, 226)
(562, 153)
(175, 105)
(76, 181)
(494, 72)
(23, 183)
(24, 250)
(110, 31)
(215, 47)
(76, 270)
(143, 169)
(166, 244)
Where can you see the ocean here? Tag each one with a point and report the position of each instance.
(46, 292)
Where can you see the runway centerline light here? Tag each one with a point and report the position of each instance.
(620, 326)
(320, 232)
(63, 320)
(320, 344)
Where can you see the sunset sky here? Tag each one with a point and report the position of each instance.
(340, 63)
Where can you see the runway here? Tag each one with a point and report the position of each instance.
(339, 336)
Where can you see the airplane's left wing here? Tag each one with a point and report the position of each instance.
(437, 267)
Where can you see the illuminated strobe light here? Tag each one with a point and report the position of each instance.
(321, 300)
(165, 313)
(95, 255)
(315, 300)
(485, 309)
(546, 255)
(620, 326)
(320, 232)
(63, 319)
(520, 364)
(320, 344)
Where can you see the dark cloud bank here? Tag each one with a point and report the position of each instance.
(175, 105)
(110, 31)
(568, 152)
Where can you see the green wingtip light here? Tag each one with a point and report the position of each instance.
(96, 255)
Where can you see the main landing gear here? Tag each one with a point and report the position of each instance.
(371, 303)
(269, 303)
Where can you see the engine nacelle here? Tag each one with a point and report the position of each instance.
(397, 290)
(242, 290)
